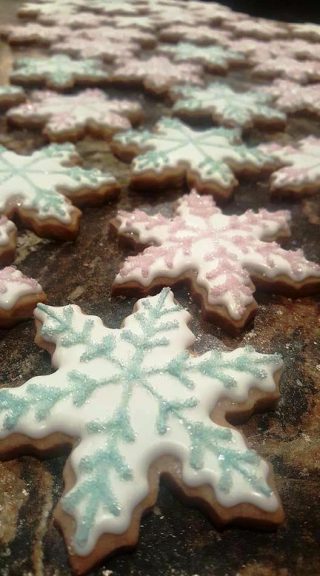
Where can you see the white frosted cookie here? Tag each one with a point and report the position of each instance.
(173, 152)
(133, 403)
(19, 295)
(58, 72)
(66, 117)
(243, 109)
(222, 257)
(38, 187)
(300, 171)
(214, 58)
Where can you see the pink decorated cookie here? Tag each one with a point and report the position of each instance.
(290, 68)
(300, 172)
(67, 117)
(114, 34)
(8, 239)
(257, 28)
(108, 50)
(19, 295)
(33, 33)
(202, 35)
(157, 74)
(292, 97)
(223, 257)
(130, 404)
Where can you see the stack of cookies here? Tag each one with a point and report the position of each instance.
(191, 132)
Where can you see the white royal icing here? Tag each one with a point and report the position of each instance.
(14, 285)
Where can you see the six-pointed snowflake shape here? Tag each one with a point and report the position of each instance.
(157, 74)
(219, 254)
(227, 106)
(292, 97)
(73, 115)
(33, 33)
(58, 71)
(215, 58)
(107, 50)
(130, 396)
(208, 158)
(35, 186)
(286, 67)
(301, 172)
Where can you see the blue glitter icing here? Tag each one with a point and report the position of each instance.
(94, 490)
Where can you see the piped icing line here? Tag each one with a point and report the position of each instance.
(300, 171)
(130, 395)
(62, 113)
(14, 286)
(224, 252)
(226, 105)
(211, 155)
(35, 182)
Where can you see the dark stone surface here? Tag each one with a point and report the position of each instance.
(175, 540)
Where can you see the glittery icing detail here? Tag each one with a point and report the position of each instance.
(221, 251)
(34, 182)
(157, 74)
(130, 395)
(58, 71)
(291, 97)
(212, 57)
(213, 155)
(287, 67)
(227, 106)
(301, 172)
(61, 113)
(15, 285)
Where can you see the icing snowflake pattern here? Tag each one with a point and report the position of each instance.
(212, 57)
(33, 182)
(157, 74)
(301, 173)
(131, 394)
(89, 109)
(208, 157)
(227, 106)
(58, 71)
(224, 251)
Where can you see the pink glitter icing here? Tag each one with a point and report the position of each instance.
(10, 275)
(224, 251)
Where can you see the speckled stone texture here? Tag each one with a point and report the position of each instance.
(176, 540)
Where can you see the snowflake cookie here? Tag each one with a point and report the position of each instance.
(8, 239)
(257, 27)
(157, 74)
(226, 106)
(300, 171)
(134, 403)
(37, 187)
(173, 151)
(220, 255)
(107, 50)
(33, 33)
(215, 58)
(286, 67)
(47, 10)
(71, 116)
(308, 30)
(292, 97)
(19, 295)
(58, 72)
(11, 96)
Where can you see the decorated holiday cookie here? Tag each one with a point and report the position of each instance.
(11, 96)
(8, 239)
(257, 27)
(300, 172)
(113, 34)
(215, 58)
(226, 106)
(47, 10)
(202, 35)
(107, 50)
(114, 7)
(145, 23)
(58, 72)
(292, 97)
(286, 67)
(37, 187)
(33, 33)
(222, 256)
(133, 403)
(157, 74)
(19, 295)
(173, 151)
(66, 117)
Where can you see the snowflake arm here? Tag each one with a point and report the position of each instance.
(129, 395)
